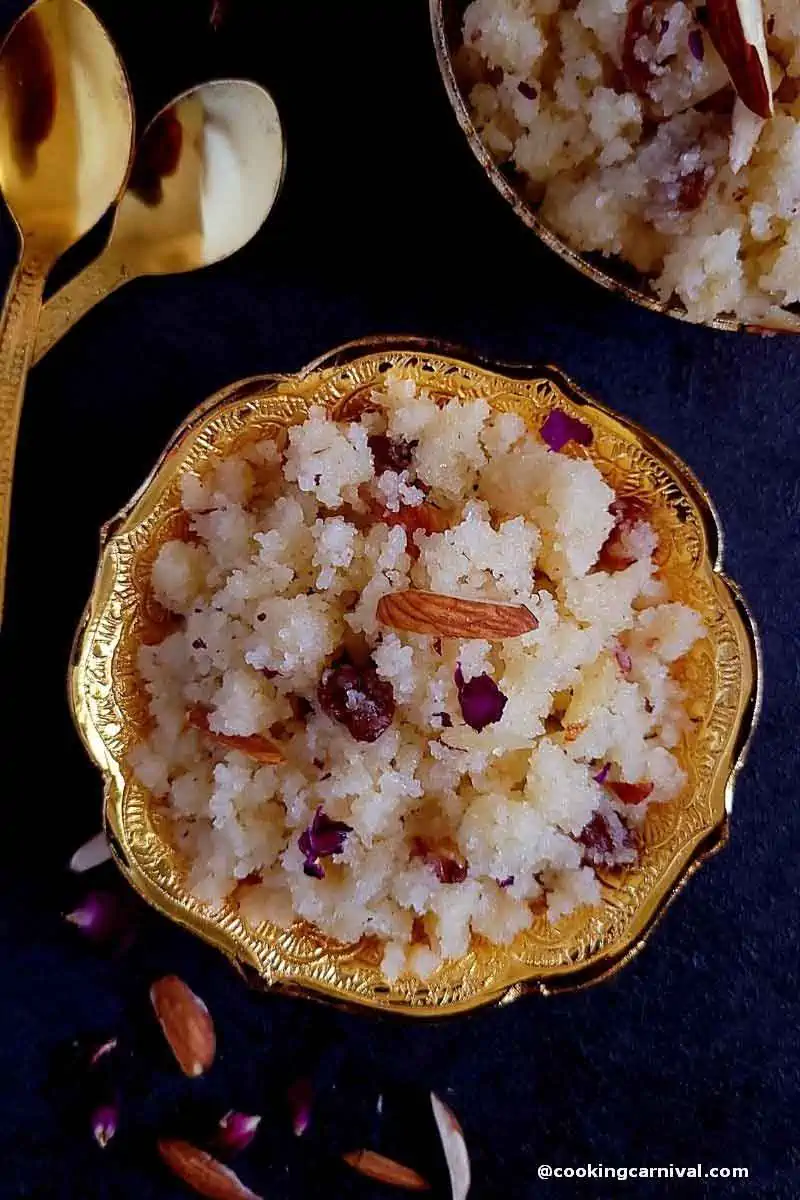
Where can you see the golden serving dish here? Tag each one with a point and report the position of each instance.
(721, 674)
(610, 272)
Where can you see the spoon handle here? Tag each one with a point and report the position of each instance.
(75, 299)
(17, 332)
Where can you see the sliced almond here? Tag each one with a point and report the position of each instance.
(186, 1023)
(450, 616)
(631, 793)
(386, 1170)
(256, 746)
(454, 1146)
(203, 1173)
(736, 27)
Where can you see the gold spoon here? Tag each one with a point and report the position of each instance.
(205, 176)
(66, 137)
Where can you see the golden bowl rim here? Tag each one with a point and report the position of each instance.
(567, 979)
(439, 11)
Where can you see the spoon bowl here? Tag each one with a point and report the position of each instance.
(66, 125)
(66, 135)
(206, 173)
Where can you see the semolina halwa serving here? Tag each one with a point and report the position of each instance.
(664, 132)
(420, 680)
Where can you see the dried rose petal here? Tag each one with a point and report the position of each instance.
(236, 1131)
(101, 917)
(559, 427)
(91, 854)
(357, 698)
(630, 793)
(390, 454)
(455, 1148)
(602, 774)
(481, 700)
(507, 882)
(321, 839)
(104, 1121)
(697, 46)
(300, 1097)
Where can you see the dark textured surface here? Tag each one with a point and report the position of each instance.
(386, 224)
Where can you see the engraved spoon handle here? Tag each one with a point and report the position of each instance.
(75, 299)
(17, 332)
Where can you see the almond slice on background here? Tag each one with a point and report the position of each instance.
(202, 1172)
(255, 745)
(736, 27)
(186, 1023)
(450, 616)
(454, 1146)
(385, 1170)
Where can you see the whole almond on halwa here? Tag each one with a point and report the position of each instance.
(202, 1172)
(186, 1023)
(451, 616)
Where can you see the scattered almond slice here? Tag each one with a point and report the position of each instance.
(186, 1023)
(454, 1146)
(385, 1170)
(256, 746)
(451, 616)
(202, 1172)
(736, 27)
(91, 854)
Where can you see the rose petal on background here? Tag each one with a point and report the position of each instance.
(101, 916)
(301, 1099)
(91, 854)
(104, 1121)
(236, 1131)
(454, 1146)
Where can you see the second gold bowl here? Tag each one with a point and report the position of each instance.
(721, 676)
(611, 273)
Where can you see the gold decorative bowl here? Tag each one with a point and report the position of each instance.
(721, 675)
(610, 272)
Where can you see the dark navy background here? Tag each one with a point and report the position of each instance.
(386, 224)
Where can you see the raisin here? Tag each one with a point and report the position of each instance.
(627, 511)
(390, 454)
(602, 847)
(357, 698)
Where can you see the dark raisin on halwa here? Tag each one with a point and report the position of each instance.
(390, 454)
(357, 698)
